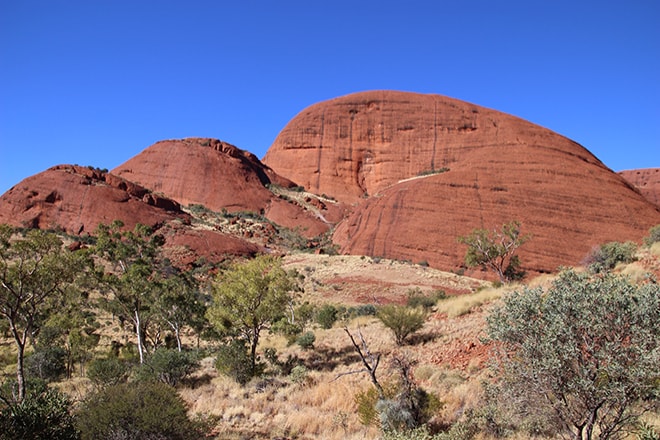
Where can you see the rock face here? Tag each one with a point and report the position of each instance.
(426, 169)
(76, 199)
(219, 176)
(647, 181)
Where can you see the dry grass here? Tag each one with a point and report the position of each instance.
(461, 304)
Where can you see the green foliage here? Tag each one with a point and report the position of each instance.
(131, 290)
(654, 235)
(415, 298)
(606, 256)
(234, 361)
(47, 363)
(45, 415)
(583, 354)
(326, 316)
(306, 340)
(250, 297)
(109, 371)
(402, 321)
(496, 250)
(299, 374)
(37, 275)
(167, 366)
(142, 410)
(647, 432)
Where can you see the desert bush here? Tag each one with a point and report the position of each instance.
(42, 415)
(47, 363)
(141, 410)
(306, 340)
(416, 298)
(168, 366)
(233, 360)
(326, 316)
(402, 321)
(299, 374)
(287, 329)
(605, 257)
(583, 354)
(654, 235)
(107, 371)
(356, 311)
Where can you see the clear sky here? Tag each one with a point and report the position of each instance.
(95, 82)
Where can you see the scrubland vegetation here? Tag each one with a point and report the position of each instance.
(114, 341)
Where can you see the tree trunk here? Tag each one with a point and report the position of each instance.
(138, 332)
(20, 372)
(20, 359)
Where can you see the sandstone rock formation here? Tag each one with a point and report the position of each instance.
(469, 167)
(647, 181)
(76, 199)
(218, 176)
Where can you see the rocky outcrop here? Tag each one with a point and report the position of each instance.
(425, 169)
(647, 181)
(76, 199)
(220, 177)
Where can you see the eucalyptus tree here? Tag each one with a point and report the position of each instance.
(37, 273)
(495, 250)
(131, 288)
(248, 298)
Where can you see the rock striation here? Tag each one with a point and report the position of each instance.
(647, 181)
(422, 170)
(219, 176)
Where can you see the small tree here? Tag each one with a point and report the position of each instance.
(35, 272)
(585, 353)
(248, 298)
(135, 282)
(495, 250)
(403, 321)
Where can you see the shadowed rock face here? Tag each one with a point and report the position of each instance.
(647, 181)
(76, 199)
(492, 168)
(219, 176)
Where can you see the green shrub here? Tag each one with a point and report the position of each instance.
(306, 340)
(403, 321)
(141, 410)
(45, 415)
(47, 363)
(654, 235)
(168, 366)
(326, 316)
(107, 371)
(606, 256)
(234, 361)
(287, 329)
(416, 298)
(299, 374)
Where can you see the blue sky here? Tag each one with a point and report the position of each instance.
(96, 82)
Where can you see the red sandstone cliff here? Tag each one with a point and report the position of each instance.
(219, 176)
(647, 181)
(493, 168)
